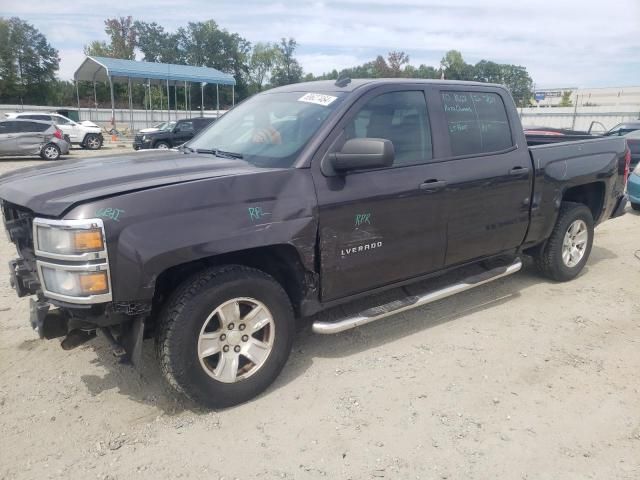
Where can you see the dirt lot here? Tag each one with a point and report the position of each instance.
(518, 379)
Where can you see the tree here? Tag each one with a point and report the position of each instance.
(157, 45)
(28, 63)
(263, 58)
(517, 80)
(454, 66)
(97, 48)
(287, 69)
(565, 101)
(123, 37)
(395, 61)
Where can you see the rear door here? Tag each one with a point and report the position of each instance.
(380, 226)
(8, 131)
(489, 177)
(30, 137)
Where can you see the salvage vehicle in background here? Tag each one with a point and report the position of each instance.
(623, 128)
(183, 131)
(633, 188)
(157, 127)
(299, 199)
(32, 137)
(86, 134)
(633, 140)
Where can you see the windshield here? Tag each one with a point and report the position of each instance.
(268, 130)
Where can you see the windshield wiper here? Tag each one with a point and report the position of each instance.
(221, 153)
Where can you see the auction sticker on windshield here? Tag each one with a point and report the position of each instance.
(317, 98)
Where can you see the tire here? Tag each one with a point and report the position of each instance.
(190, 364)
(50, 152)
(162, 145)
(549, 258)
(92, 142)
(636, 206)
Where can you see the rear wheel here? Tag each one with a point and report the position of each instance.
(162, 145)
(92, 141)
(568, 248)
(225, 335)
(50, 152)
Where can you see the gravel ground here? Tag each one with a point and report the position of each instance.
(519, 379)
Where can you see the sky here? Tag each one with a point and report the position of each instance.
(562, 43)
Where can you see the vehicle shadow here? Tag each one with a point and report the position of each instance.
(146, 383)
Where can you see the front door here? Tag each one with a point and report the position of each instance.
(183, 132)
(8, 131)
(381, 226)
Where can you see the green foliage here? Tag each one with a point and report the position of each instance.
(263, 59)
(28, 63)
(287, 69)
(565, 101)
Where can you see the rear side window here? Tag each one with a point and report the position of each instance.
(400, 117)
(46, 118)
(477, 122)
(27, 127)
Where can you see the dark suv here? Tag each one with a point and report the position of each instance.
(182, 131)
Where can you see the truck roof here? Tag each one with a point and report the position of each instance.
(330, 85)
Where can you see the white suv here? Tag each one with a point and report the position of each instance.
(86, 134)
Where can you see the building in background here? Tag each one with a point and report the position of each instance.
(588, 97)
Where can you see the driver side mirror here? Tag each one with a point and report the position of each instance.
(362, 154)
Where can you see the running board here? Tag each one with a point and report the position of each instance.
(397, 306)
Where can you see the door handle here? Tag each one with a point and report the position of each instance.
(433, 185)
(518, 171)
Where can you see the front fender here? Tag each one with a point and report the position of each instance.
(152, 230)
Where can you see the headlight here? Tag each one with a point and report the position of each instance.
(74, 283)
(69, 239)
(72, 260)
(145, 139)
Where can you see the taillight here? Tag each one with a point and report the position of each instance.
(627, 163)
(58, 134)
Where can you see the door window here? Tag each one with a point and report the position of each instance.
(184, 127)
(400, 117)
(477, 122)
(60, 120)
(27, 127)
(46, 118)
(9, 127)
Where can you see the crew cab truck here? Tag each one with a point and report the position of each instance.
(296, 200)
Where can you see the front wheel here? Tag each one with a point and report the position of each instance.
(225, 335)
(636, 206)
(568, 248)
(162, 145)
(50, 152)
(92, 142)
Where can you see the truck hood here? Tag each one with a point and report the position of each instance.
(87, 123)
(52, 189)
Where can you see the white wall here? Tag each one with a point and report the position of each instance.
(578, 118)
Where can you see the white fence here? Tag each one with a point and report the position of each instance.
(124, 118)
(579, 118)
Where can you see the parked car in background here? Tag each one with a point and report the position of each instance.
(158, 127)
(623, 128)
(184, 130)
(32, 137)
(633, 140)
(633, 188)
(86, 134)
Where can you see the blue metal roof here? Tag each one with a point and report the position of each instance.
(101, 68)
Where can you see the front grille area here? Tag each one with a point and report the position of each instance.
(19, 224)
(137, 141)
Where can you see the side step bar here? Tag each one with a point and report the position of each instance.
(377, 313)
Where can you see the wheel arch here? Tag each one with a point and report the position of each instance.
(590, 194)
(281, 261)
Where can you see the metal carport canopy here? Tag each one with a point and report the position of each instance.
(99, 69)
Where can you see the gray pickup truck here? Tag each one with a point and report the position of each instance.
(299, 199)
